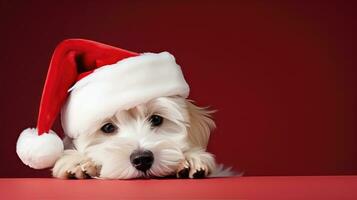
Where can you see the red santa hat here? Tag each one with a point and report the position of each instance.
(88, 82)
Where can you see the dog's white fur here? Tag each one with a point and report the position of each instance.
(179, 143)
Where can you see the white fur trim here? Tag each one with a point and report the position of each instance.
(121, 86)
(37, 151)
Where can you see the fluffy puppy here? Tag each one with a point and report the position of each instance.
(163, 137)
(125, 115)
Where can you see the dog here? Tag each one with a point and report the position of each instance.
(163, 137)
(125, 115)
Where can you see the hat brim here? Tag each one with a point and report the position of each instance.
(121, 86)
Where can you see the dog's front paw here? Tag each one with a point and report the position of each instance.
(73, 165)
(193, 168)
(84, 170)
(183, 170)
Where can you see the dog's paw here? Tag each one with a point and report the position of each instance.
(183, 170)
(198, 164)
(192, 168)
(198, 169)
(75, 166)
(84, 170)
(200, 173)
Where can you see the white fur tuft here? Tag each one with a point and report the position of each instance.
(39, 151)
(222, 171)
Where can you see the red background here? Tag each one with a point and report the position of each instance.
(281, 75)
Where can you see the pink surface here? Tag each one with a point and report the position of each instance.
(289, 187)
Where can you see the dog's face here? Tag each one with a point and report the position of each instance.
(145, 141)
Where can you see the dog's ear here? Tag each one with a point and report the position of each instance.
(200, 126)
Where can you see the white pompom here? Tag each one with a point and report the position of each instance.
(39, 151)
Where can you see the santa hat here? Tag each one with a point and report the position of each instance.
(88, 82)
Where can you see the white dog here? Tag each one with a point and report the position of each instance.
(125, 115)
(165, 136)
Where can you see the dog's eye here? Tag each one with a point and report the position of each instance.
(108, 128)
(156, 120)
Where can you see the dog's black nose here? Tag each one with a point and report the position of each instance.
(142, 160)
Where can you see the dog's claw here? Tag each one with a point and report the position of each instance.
(86, 175)
(70, 175)
(183, 173)
(192, 169)
(200, 173)
(85, 170)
